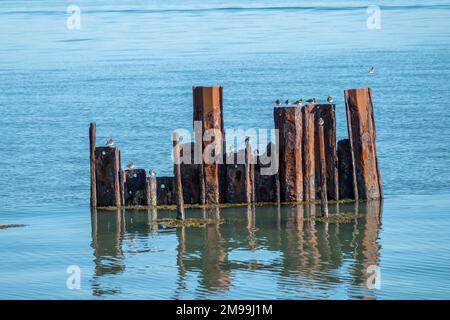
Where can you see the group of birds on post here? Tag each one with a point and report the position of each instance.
(299, 103)
(130, 165)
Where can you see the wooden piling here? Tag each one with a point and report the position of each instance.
(288, 120)
(249, 174)
(208, 108)
(327, 113)
(151, 191)
(135, 187)
(165, 190)
(92, 142)
(309, 172)
(107, 168)
(177, 173)
(190, 174)
(265, 184)
(323, 171)
(345, 170)
(362, 135)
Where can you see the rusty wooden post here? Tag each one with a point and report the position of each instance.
(309, 173)
(323, 171)
(177, 173)
(362, 135)
(208, 109)
(327, 113)
(92, 142)
(288, 120)
(107, 168)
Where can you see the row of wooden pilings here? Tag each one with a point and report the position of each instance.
(311, 165)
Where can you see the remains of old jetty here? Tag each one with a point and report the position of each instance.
(311, 165)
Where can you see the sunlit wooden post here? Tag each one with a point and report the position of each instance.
(177, 172)
(323, 171)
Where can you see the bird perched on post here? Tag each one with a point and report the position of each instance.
(372, 70)
(109, 142)
(247, 140)
(299, 103)
(330, 99)
(152, 172)
(320, 122)
(312, 100)
(231, 148)
(288, 103)
(277, 103)
(131, 165)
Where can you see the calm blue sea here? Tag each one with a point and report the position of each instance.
(131, 67)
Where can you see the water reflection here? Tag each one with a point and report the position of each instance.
(296, 255)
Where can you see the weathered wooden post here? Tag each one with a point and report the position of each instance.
(190, 174)
(345, 170)
(107, 168)
(135, 187)
(165, 191)
(208, 110)
(151, 191)
(323, 171)
(249, 174)
(177, 174)
(362, 135)
(309, 153)
(92, 142)
(288, 120)
(265, 180)
(327, 113)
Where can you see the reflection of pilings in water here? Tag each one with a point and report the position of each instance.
(153, 217)
(107, 245)
(367, 252)
(216, 274)
(252, 243)
(312, 239)
(371, 248)
(181, 250)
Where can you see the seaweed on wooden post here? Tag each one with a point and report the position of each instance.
(177, 173)
(323, 171)
(92, 142)
(362, 135)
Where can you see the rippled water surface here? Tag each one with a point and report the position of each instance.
(131, 68)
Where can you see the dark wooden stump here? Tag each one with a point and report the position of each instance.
(288, 120)
(362, 135)
(190, 176)
(165, 190)
(265, 184)
(345, 170)
(107, 168)
(135, 187)
(235, 183)
(92, 142)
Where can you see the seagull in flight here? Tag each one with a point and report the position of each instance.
(372, 70)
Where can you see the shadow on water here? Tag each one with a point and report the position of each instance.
(300, 256)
